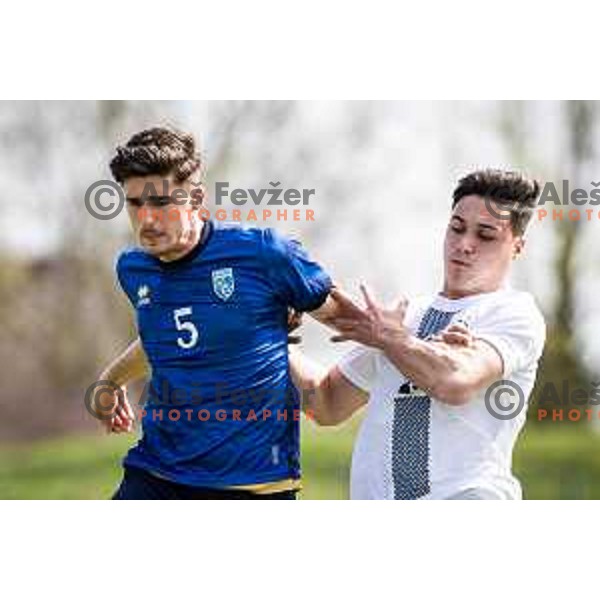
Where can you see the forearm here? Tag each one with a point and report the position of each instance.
(446, 370)
(129, 366)
(434, 367)
(327, 396)
(307, 376)
(327, 312)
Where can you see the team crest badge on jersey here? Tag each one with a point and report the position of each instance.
(223, 283)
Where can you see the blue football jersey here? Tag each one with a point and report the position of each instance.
(221, 408)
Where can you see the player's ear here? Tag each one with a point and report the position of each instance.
(518, 247)
(197, 195)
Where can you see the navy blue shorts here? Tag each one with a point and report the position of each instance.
(138, 484)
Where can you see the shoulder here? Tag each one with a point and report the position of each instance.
(235, 230)
(515, 317)
(130, 264)
(277, 243)
(132, 256)
(251, 239)
(271, 243)
(511, 304)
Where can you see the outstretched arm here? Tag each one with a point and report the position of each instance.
(451, 372)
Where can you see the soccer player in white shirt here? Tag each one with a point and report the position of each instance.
(423, 369)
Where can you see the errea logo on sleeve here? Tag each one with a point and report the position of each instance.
(143, 295)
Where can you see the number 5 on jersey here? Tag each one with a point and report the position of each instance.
(191, 338)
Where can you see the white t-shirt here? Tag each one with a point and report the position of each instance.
(411, 446)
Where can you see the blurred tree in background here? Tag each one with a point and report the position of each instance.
(61, 315)
(562, 358)
(562, 368)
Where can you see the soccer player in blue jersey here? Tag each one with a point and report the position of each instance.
(211, 301)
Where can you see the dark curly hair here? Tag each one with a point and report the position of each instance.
(509, 189)
(158, 151)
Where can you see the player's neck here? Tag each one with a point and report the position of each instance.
(458, 294)
(178, 253)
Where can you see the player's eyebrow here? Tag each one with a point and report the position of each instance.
(481, 225)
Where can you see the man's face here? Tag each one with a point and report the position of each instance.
(478, 249)
(163, 214)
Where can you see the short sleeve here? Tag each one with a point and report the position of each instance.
(359, 367)
(516, 329)
(299, 281)
(121, 274)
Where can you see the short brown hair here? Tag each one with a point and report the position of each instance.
(157, 151)
(509, 189)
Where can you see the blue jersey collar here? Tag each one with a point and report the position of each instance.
(194, 252)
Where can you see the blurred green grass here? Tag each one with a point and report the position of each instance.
(558, 462)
